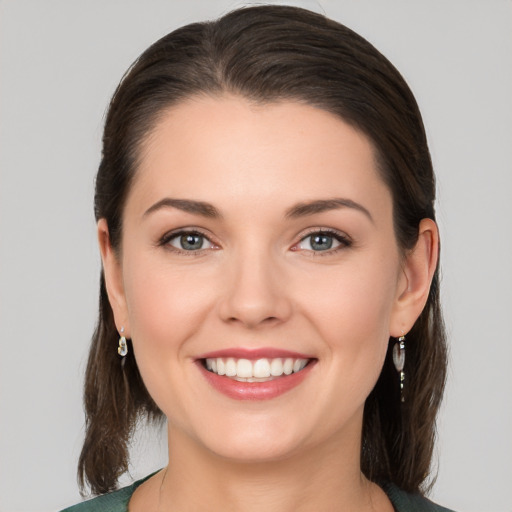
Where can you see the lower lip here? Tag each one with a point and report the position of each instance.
(255, 390)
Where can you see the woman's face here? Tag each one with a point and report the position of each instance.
(257, 238)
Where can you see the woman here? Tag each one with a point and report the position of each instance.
(265, 208)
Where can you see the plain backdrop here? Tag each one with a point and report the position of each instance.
(60, 61)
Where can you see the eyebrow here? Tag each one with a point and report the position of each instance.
(304, 209)
(186, 205)
(324, 205)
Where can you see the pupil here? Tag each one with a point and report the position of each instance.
(321, 242)
(191, 242)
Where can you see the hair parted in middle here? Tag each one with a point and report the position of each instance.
(270, 54)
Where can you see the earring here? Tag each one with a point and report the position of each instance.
(399, 362)
(122, 350)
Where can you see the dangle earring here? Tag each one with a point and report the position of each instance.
(122, 350)
(399, 362)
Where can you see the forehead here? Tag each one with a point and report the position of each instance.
(268, 152)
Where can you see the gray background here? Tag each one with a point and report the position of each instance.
(60, 61)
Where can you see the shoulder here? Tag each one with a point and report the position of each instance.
(116, 501)
(405, 502)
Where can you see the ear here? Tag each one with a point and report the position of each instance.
(112, 271)
(414, 284)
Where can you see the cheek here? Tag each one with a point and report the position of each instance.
(355, 299)
(351, 311)
(166, 306)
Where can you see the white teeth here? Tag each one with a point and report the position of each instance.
(244, 368)
(276, 367)
(260, 370)
(298, 365)
(230, 367)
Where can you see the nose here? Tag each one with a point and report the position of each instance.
(255, 292)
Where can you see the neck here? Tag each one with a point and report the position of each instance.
(327, 477)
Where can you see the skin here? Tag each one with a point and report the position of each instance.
(258, 282)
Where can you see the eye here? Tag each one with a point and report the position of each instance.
(187, 241)
(323, 241)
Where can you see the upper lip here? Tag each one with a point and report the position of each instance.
(254, 353)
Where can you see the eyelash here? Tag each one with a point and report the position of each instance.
(168, 237)
(343, 239)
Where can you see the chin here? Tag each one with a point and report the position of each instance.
(258, 441)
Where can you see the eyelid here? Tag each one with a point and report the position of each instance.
(168, 236)
(344, 240)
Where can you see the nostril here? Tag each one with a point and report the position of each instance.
(253, 321)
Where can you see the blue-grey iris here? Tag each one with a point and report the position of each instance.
(321, 242)
(191, 242)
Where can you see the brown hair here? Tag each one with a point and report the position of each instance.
(267, 54)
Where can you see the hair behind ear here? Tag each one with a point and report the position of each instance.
(114, 395)
(399, 438)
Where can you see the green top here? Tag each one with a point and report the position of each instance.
(117, 501)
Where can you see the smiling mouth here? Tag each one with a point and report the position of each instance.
(259, 370)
